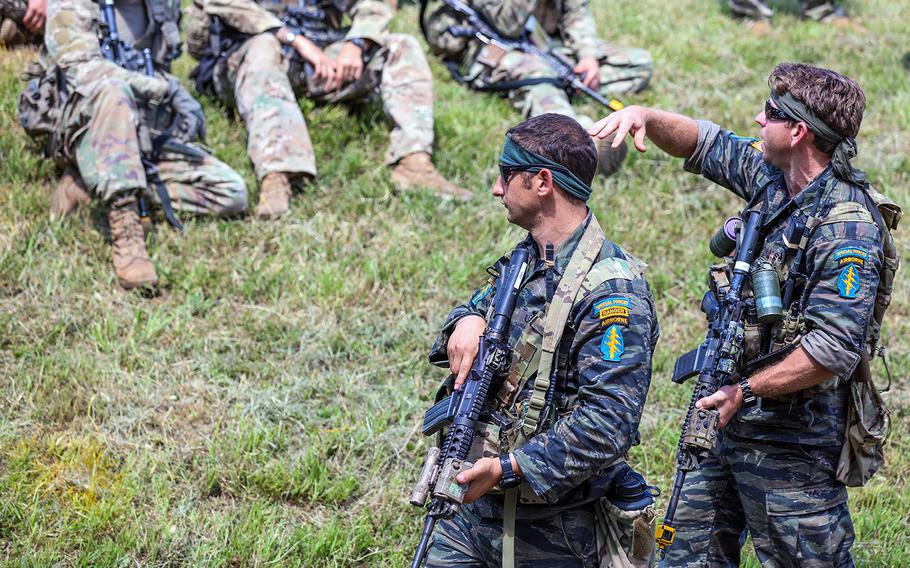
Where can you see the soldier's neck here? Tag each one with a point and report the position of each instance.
(802, 172)
(556, 228)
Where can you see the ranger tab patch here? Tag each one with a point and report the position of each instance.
(612, 345)
(612, 311)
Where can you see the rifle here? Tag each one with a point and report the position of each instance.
(462, 410)
(478, 28)
(114, 49)
(715, 363)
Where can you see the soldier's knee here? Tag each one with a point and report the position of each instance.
(403, 42)
(264, 49)
(114, 90)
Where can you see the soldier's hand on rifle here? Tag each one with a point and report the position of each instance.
(189, 120)
(481, 478)
(323, 66)
(589, 67)
(462, 346)
(630, 120)
(726, 400)
(35, 15)
(348, 64)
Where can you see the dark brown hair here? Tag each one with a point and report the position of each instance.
(560, 139)
(837, 100)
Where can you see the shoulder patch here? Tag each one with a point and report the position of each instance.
(482, 293)
(758, 145)
(613, 310)
(612, 345)
(851, 255)
(753, 142)
(848, 282)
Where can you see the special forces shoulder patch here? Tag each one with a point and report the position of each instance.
(612, 345)
(613, 310)
(755, 143)
(482, 293)
(848, 280)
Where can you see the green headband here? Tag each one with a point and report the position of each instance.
(514, 156)
(844, 148)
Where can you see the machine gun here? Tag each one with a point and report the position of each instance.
(477, 27)
(715, 363)
(462, 410)
(114, 49)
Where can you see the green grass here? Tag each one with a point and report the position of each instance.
(264, 409)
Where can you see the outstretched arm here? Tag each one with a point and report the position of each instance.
(673, 133)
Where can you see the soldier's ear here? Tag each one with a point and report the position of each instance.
(543, 183)
(801, 133)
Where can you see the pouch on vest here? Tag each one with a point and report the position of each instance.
(41, 104)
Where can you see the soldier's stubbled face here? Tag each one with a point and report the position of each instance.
(519, 199)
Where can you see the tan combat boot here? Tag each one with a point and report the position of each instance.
(274, 196)
(69, 193)
(609, 159)
(11, 35)
(417, 170)
(131, 260)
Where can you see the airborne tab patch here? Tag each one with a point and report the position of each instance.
(481, 294)
(612, 311)
(848, 282)
(612, 345)
(851, 255)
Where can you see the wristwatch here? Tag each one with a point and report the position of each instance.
(509, 479)
(358, 41)
(289, 37)
(748, 396)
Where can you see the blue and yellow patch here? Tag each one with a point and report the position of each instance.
(851, 255)
(612, 345)
(848, 281)
(612, 311)
(755, 143)
(481, 294)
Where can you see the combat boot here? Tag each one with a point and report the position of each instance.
(69, 193)
(609, 159)
(274, 197)
(417, 170)
(754, 9)
(131, 260)
(11, 34)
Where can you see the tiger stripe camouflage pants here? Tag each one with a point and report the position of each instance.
(786, 496)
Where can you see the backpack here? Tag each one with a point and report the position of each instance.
(41, 105)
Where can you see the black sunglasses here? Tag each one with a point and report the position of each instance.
(772, 113)
(505, 172)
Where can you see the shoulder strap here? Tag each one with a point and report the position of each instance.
(557, 315)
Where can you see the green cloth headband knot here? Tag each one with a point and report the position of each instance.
(514, 156)
(844, 148)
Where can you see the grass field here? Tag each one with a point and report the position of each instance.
(264, 409)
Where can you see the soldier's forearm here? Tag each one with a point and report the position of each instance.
(797, 371)
(673, 133)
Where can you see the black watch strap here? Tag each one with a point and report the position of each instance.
(748, 396)
(509, 479)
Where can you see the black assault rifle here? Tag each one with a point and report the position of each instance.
(478, 28)
(714, 362)
(114, 49)
(463, 408)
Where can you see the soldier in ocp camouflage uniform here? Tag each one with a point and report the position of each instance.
(21, 22)
(261, 81)
(776, 472)
(567, 26)
(100, 135)
(601, 369)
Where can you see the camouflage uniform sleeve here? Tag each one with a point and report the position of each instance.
(245, 16)
(843, 266)
(617, 331)
(73, 45)
(478, 305)
(370, 20)
(507, 16)
(578, 30)
(728, 160)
